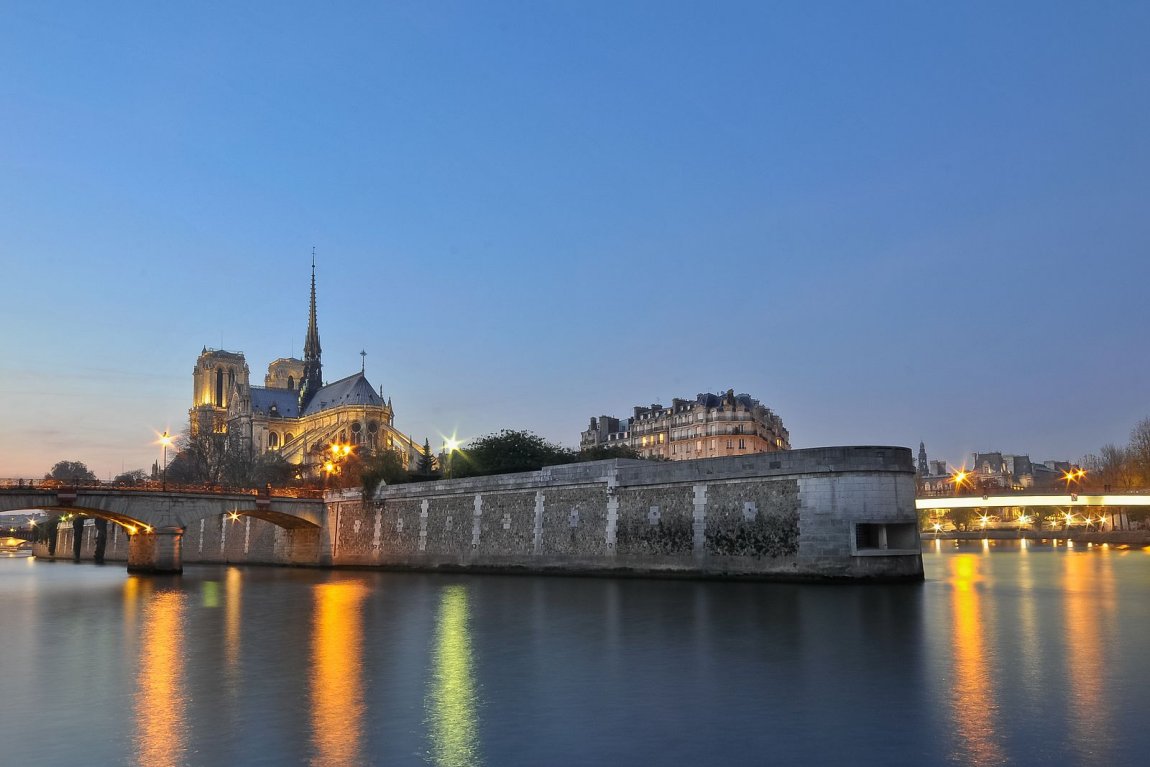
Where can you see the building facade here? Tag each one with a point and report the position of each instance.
(990, 473)
(294, 413)
(709, 426)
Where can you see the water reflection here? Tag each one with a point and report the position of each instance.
(232, 611)
(452, 702)
(337, 709)
(161, 700)
(972, 696)
(1088, 586)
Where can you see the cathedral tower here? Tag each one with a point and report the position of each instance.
(312, 367)
(216, 374)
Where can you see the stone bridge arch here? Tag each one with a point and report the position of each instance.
(156, 521)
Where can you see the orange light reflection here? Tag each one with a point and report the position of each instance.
(336, 683)
(161, 727)
(1088, 585)
(972, 697)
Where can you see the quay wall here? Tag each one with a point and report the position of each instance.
(823, 513)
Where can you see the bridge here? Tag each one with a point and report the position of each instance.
(1026, 501)
(155, 520)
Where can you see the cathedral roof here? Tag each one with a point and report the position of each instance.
(275, 402)
(353, 390)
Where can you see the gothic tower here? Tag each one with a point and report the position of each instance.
(312, 367)
(923, 466)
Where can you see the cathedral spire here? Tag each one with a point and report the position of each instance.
(312, 367)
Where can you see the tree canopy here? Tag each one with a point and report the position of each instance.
(133, 477)
(506, 452)
(74, 472)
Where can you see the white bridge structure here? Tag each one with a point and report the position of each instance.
(1071, 500)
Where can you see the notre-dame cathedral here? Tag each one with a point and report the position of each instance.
(294, 413)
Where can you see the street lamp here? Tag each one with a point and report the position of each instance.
(165, 440)
(1073, 475)
(450, 445)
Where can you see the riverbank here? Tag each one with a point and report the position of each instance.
(1114, 537)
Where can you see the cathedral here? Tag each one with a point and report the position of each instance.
(294, 413)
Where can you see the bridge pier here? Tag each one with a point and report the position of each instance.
(158, 552)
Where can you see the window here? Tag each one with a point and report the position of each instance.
(291, 383)
(273, 440)
(699, 445)
(886, 538)
(742, 444)
(730, 444)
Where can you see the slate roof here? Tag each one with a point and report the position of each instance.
(284, 401)
(353, 390)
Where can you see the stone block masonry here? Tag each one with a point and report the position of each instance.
(842, 512)
(824, 513)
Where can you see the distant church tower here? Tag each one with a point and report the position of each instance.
(312, 367)
(923, 466)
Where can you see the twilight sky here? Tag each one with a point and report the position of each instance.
(887, 221)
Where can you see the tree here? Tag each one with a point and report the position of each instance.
(425, 469)
(506, 452)
(130, 478)
(72, 472)
(603, 452)
(384, 467)
(272, 469)
(1115, 468)
(199, 458)
(1139, 451)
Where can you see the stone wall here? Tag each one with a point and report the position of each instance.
(793, 514)
(845, 512)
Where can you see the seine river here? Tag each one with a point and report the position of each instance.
(1006, 655)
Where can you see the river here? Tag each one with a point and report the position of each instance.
(1009, 653)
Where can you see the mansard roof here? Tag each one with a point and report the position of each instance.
(353, 390)
(275, 402)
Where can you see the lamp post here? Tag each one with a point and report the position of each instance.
(165, 440)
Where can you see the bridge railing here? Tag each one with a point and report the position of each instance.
(1030, 491)
(151, 486)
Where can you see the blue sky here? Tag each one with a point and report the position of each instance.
(887, 221)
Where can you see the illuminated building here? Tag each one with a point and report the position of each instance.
(294, 413)
(708, 426)
(990, 472)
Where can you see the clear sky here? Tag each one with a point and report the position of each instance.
(890, 222)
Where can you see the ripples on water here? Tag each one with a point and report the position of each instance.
(1006, 655)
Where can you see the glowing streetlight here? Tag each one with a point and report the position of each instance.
(959, 478)
(165, 440)
(1073, 475)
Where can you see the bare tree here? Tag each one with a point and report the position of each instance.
(1116, 467)
(1139, 451)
